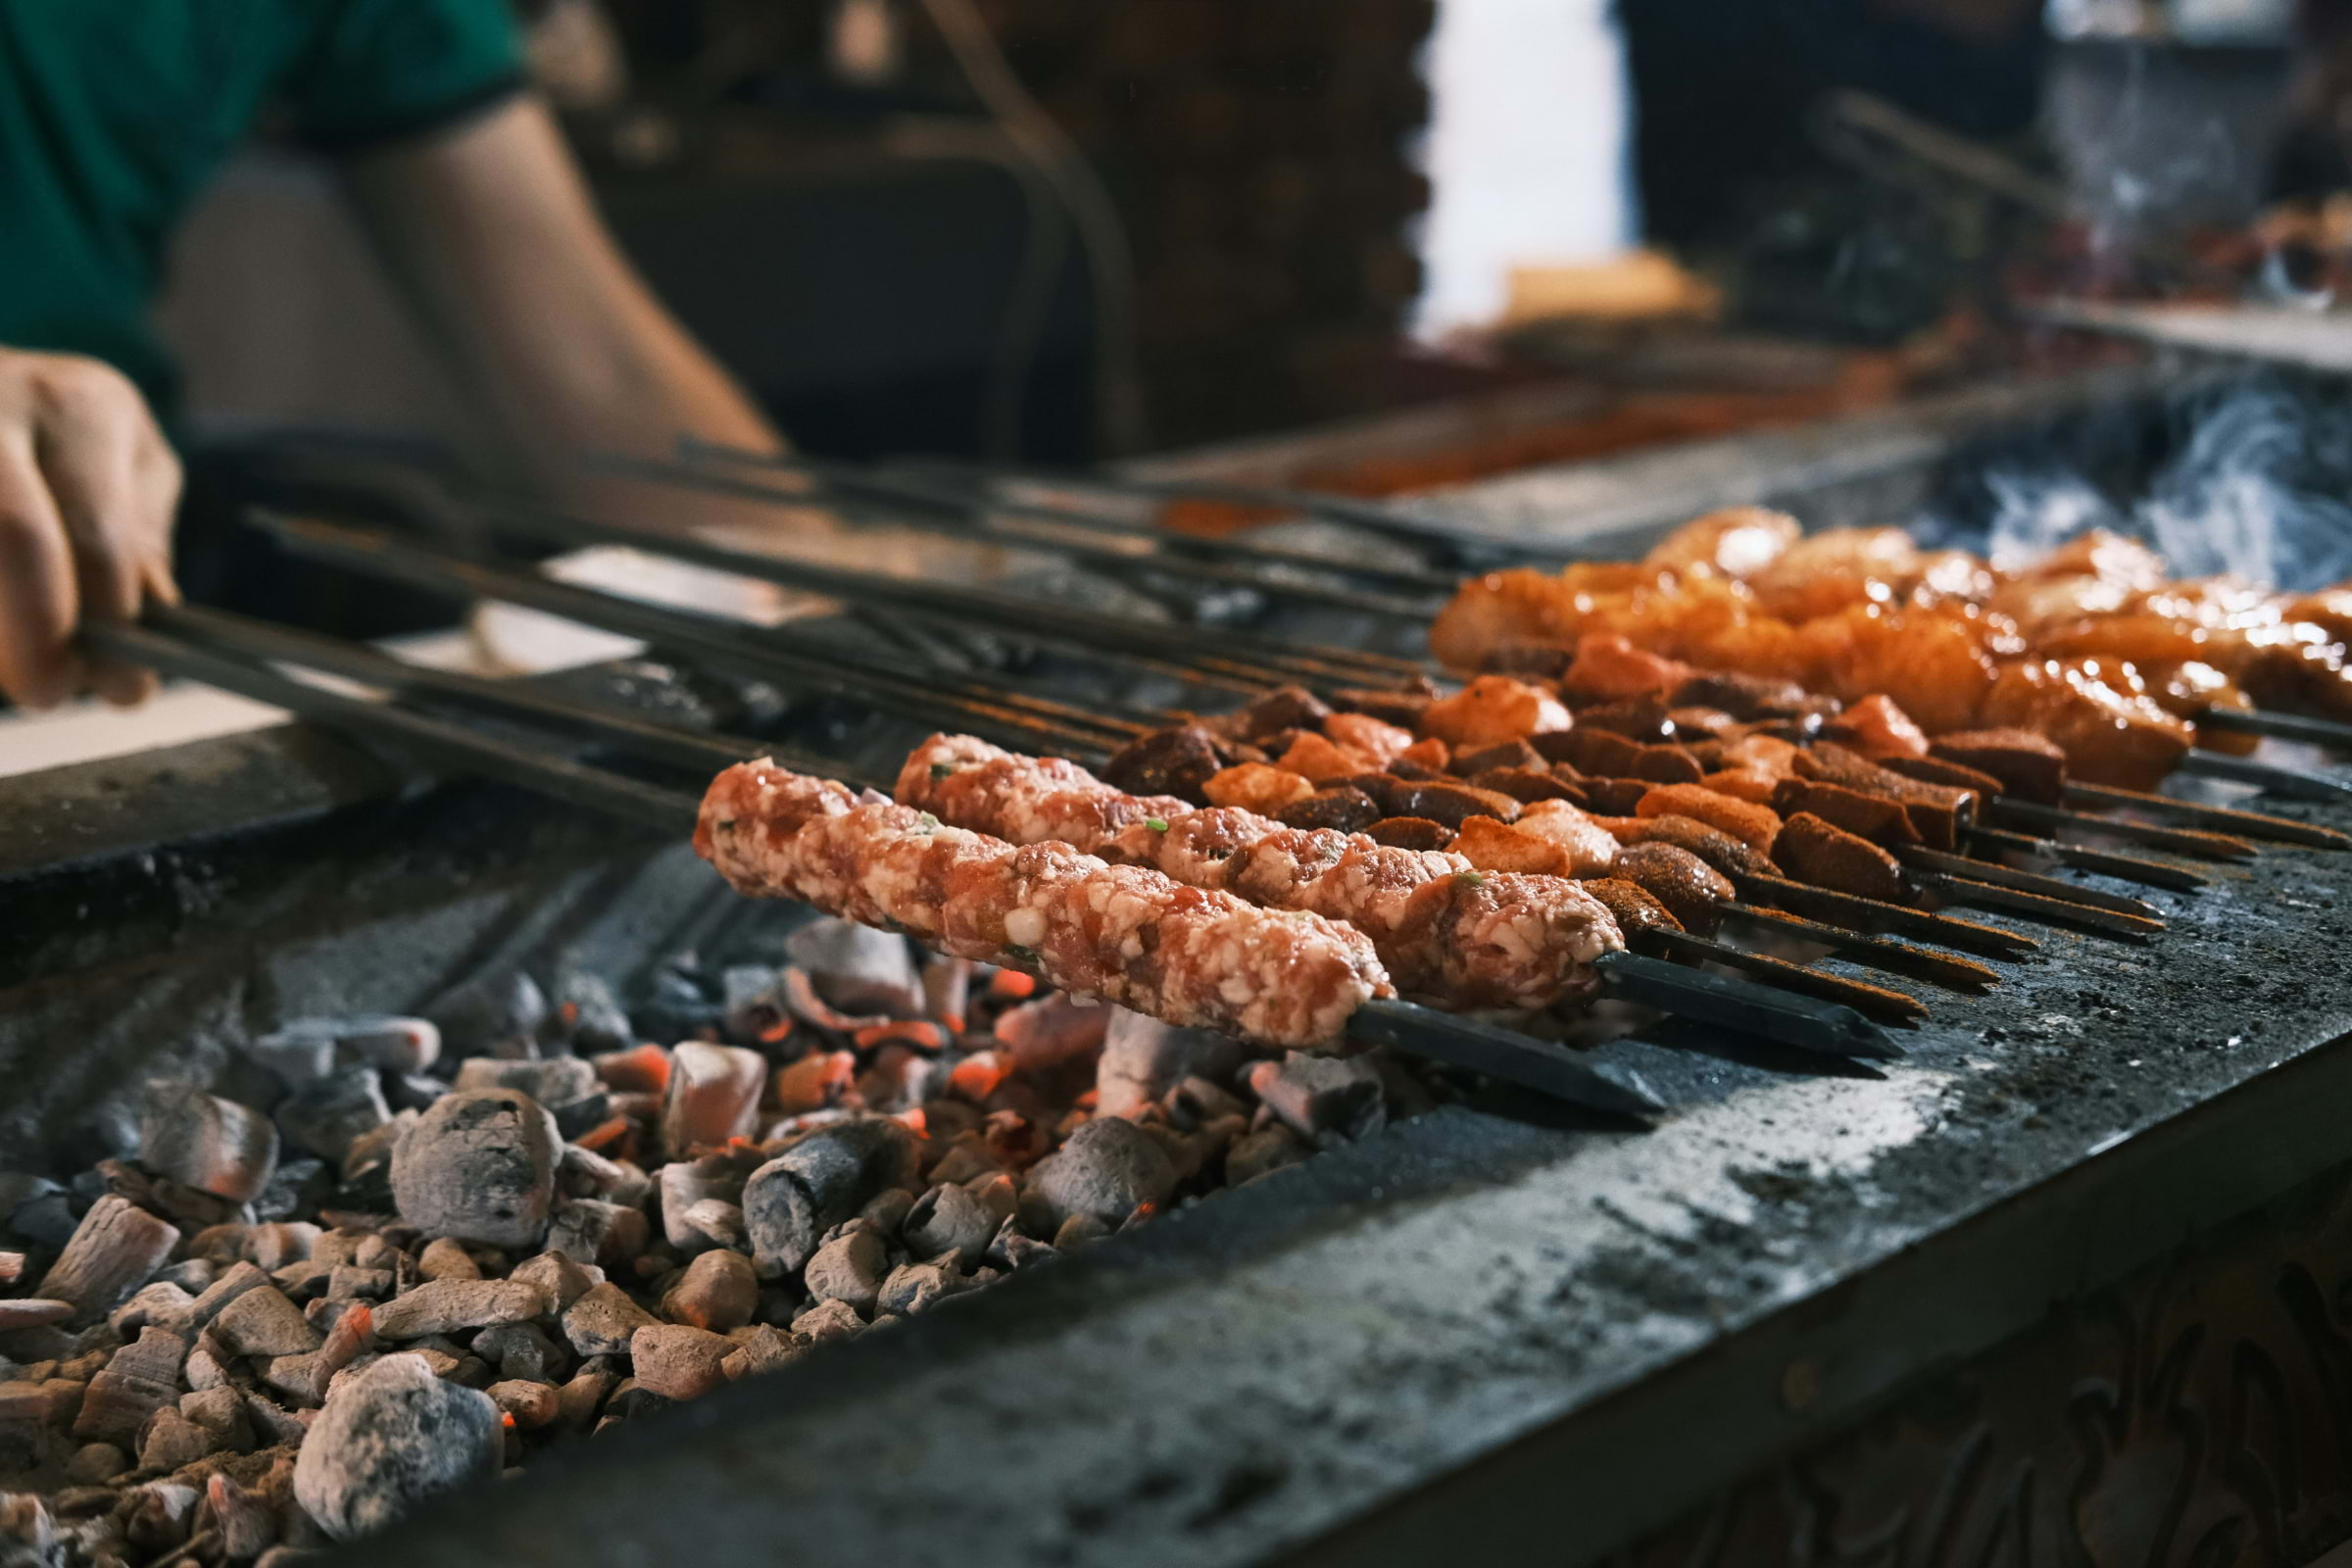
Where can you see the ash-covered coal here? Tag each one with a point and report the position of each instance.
(382, 1259)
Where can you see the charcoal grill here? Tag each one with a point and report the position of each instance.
(1937, 1304)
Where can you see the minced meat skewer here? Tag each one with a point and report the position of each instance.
(1188, 956)
(1448, 931)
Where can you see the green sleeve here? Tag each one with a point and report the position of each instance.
(384, 71)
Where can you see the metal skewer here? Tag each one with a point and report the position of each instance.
(1878, 1002)
(2049, 887)
(1946, 969)
(2255, 825)
(2282, 727)
(2268, 776)
(1872, 915)
(2180, 841)
(2105, 862)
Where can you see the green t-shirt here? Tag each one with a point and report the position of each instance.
(115, 113)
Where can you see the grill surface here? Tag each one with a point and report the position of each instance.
(1491, 1319)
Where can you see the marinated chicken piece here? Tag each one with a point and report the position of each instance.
(2096, 553)
(1429, 753)
(1692, 890)
(1393, 707)
(1494, 708)
(2330, 609)
(1637, 718)
(1256, 786)
(1491, 845)
(1937, 770)
(1837, 570)
(1875, 728)
(2109, 734)
(1826, 855)
(1609, 668)
(2035, 605)
(2193, 689)
(1317, 759)
(1733, 542)
(1633, 908)
(1376, 738)
(1743, 784)
(2030, 765)
(1754, 825)
(2301, 675)
(1588, 846)
(1498, 611)
(1935, 667)
(1449, 801)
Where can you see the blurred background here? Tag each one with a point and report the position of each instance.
(1071, 231)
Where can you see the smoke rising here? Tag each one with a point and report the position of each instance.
(2257, 483)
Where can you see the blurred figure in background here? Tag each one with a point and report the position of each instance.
(114, 114)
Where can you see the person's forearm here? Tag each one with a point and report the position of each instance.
(491, 232)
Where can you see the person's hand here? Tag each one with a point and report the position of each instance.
(87, 490)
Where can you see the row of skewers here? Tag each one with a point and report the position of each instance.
(1601, 821)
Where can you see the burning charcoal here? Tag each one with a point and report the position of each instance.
(583, 1116)
(444, 1259)
(1199, 1100)
(678, 1362)
(602, 1320)
(262, 1322)
(213, 1144)
(815, 1081)
(888, 1210)
(1078, 1231)
(27, 1534)
(857, 968)
(273, 1245)
(531, 1405)
(30, 1312)
(919, 1286)
(521, 1351)
(587, 1016)
(234, 1281)
(163, 1305)
(171, 1439)
(585, 1173)
(714, 1095)
(828, 1320)
(452, 1307)
(247, 1520)
(161, 1514)
(348, 1282)
(44, 1215)
(948, 991)
(1267, 1150)
(755, 1004)
(606, 1235)
(1107, 1169)
(1142, 1058)
(479, 1166)
(368, 1162)
(792, 1200)
(484, 1011)
(221, 1413)
(390, 1438)
(631, 1398)
(950, 1220)
(142, 1377)
(328, 1115)
(561, 1280)
(553, 1081)
(1014, 1248)
(296, 1187)
(714, 1222)
(1316, 1093)
(643, 1070)
(761, 1349)
(1038, 1036)
(684, 1182)
(96, 1464)
(849, 1268)
(113, 1251)
(717, 1291)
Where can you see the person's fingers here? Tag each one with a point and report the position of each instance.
(90, 430)
(40, 599)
